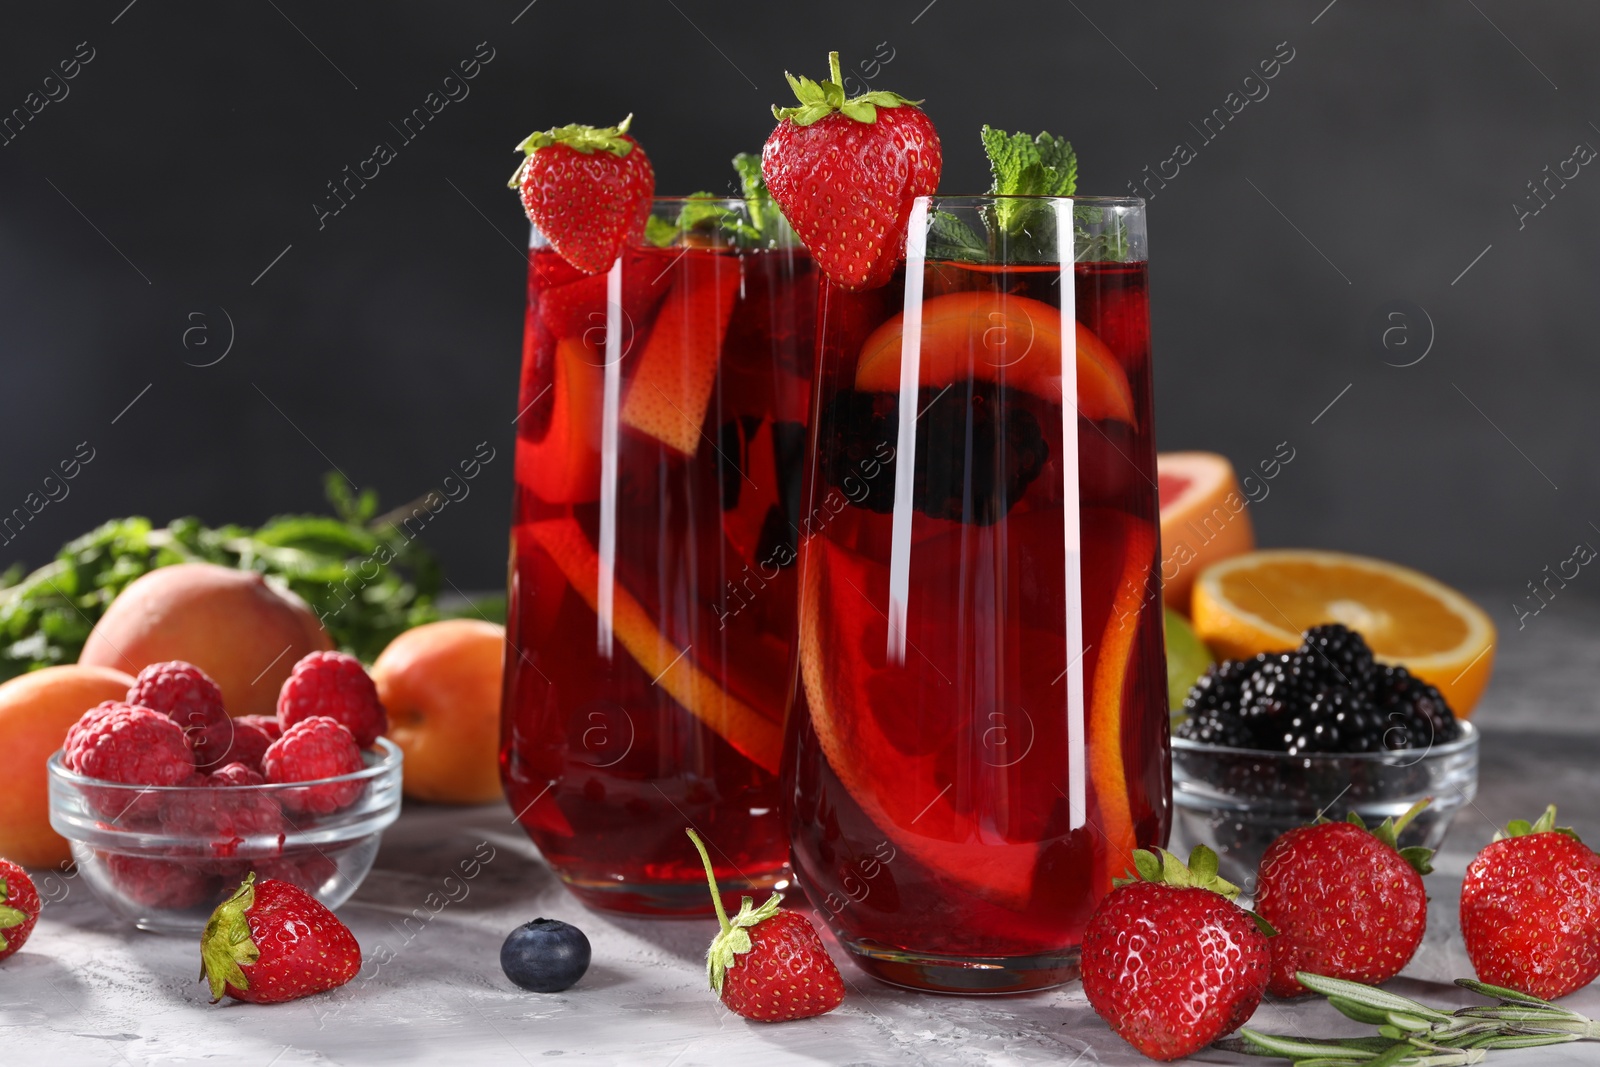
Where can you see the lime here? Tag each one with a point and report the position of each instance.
(1187, 659)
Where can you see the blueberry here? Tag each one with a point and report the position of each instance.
(546, 955)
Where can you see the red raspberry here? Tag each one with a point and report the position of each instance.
(318, 747)
(19, 907)
(244, 743)
(336, 685)
(237, 773)
(223, 814)
(308, 870)
(157, 883)
(186, 695)
(126, 743)
(267, 724)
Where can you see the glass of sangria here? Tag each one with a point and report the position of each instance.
(979, 736)
(660, 442)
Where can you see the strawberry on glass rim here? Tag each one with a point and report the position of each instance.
(845, 173)
(588, 189)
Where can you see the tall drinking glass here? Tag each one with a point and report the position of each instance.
(660, 443)
(979, 734)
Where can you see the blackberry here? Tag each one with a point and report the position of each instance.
(1341, 656)
(976, 453)
(1212, 707)
(1280, 685)
(978, 450)
(1335, 720)
(1414, 713)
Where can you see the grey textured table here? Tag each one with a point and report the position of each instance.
(86, 991)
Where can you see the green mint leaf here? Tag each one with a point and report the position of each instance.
(754, 187)
(1027, 166)
(951, 238)
(659, 232)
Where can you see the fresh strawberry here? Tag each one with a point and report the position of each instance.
(845, 173)
(1169, 960)
(767, 963)
(274, 942)
(19, 907)
(587, 189)
(1530, 909)
(1347, 902)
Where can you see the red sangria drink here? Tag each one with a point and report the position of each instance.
(653, 574)
(979, 737)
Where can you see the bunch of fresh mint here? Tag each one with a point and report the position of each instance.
(705, 212)
(1024, 231)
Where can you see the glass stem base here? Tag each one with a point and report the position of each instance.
(966, 975)
(671, 900)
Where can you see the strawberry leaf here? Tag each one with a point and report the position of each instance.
(818, 100)
(226, 947)
(585, 139)
(1546, 824)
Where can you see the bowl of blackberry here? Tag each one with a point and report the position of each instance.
(1267, 744)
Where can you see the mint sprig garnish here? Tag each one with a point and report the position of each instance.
(705, 211)
(1043, 165)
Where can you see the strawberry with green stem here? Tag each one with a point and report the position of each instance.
(1530, 909)
(1347, 902)
(587, 189)
(768, 963)
(1169, 960)
(272, 941)
(845, 173)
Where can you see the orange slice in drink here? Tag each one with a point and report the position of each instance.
(678, 368)
(895, 739)
(674, 669)
(1263, 601)
(1001, 338)
(563, 466)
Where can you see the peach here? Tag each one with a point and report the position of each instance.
(441, 685)
(35, 711)
(231, 624)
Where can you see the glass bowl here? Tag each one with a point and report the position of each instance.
(164, 857)
(1237, 801)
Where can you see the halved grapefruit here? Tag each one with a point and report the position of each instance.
(671, 386)
(673, 668)
(1204, 518)
(563, 466)
(906, 741)
(1002, 338)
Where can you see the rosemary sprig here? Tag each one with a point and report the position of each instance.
(1413, 1034)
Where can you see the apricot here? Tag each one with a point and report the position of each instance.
(231, 624)
(35, 711)
(441, 685)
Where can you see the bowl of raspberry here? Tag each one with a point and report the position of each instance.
(169, 803)
(1267, 744)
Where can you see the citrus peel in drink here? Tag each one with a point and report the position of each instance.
(673, 670)
(998, 337)
(563, 466)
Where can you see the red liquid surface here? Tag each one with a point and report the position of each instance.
(608, 753)
(929, 799)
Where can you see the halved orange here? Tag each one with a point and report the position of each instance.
(563, 466)
(1263, 601)
(674, 670)
(905, 740)
(1003, 338)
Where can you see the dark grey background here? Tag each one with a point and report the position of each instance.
(1385, 161)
